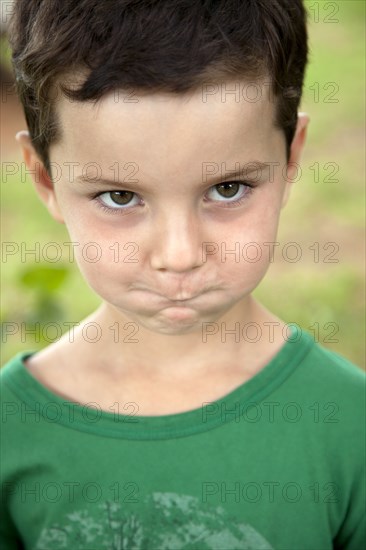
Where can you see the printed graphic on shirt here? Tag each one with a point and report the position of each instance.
(166, 521)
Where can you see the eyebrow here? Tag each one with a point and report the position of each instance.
(247, 169)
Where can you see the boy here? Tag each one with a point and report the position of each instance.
(146, 427)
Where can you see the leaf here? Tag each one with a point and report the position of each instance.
(43, 278)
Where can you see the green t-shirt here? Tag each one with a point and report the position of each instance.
(277, 463)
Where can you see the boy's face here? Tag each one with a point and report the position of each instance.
(173, 250)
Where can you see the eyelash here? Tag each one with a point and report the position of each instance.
(230, 204)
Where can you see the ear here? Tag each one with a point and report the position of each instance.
(296, 150)
(41, 179)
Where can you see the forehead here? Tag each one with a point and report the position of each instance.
(165, 131)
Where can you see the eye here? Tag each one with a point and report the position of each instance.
(230, 190)
(117, 200)
(229, 193)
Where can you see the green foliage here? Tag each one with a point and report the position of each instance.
(44, 279)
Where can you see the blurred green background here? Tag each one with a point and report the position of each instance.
(324, 297)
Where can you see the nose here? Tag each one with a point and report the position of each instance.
(176, 244)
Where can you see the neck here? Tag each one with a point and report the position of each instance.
(239, 339)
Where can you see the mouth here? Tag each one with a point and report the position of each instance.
(176, 302)
(173, 301)
(179, 301)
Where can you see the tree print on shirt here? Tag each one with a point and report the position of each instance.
(166, 521)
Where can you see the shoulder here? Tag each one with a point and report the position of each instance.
(333, 391)
(330, 369)
(14, 386)
(53, 367)
(329, 391)
(12, 369)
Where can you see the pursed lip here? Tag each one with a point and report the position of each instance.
(173, 300)
(177, 300)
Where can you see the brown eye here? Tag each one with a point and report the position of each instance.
(230, 193)
(121, 197)
(228, 190)
(118, 200)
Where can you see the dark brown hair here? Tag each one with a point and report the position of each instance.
(173, 46)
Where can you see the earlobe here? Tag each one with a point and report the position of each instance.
(41, 179)
(286, 195)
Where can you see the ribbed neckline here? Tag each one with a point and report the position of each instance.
(92, 419)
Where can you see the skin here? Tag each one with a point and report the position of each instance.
(176, 210)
